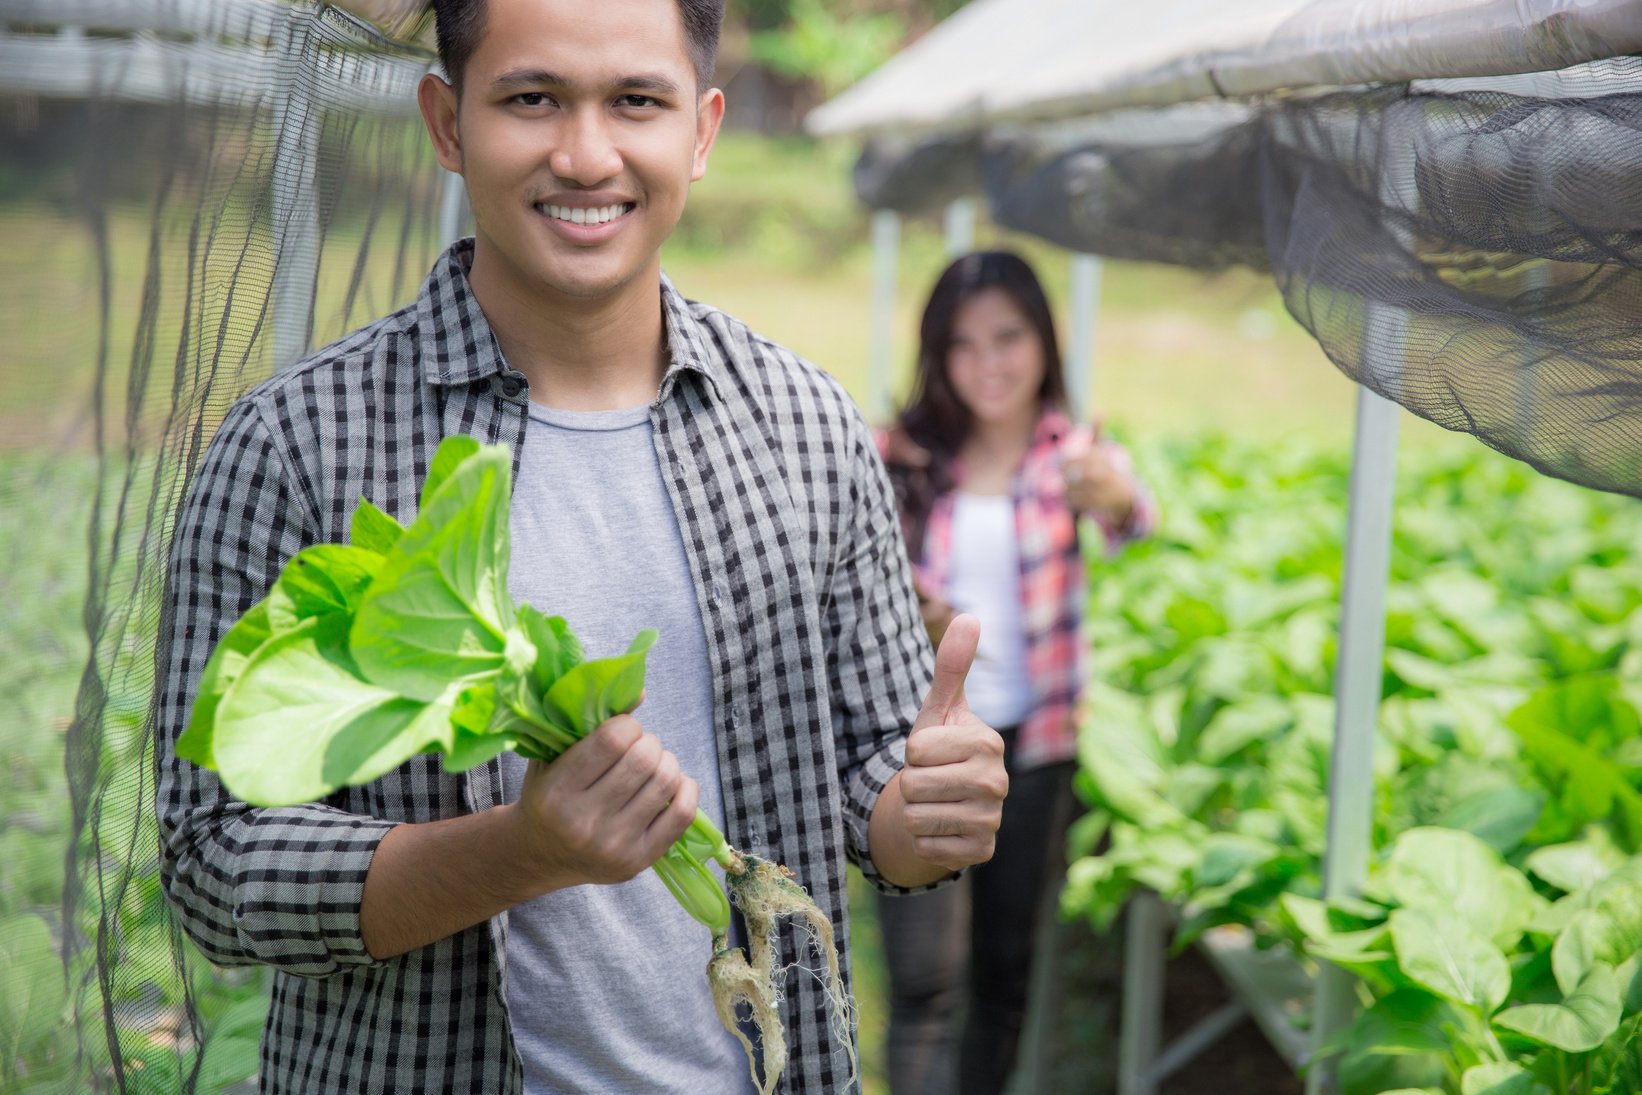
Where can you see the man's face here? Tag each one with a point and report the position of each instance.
(578, 132)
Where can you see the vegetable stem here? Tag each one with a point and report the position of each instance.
(683, 869)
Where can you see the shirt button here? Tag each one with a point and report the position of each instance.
(510, 385)
(718, 593)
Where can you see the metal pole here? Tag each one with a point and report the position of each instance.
(1080, 342)
(960, 227)
(1361, 661)
(296, 232)
(1357, 692)
(1142, 1031)
(886, 246)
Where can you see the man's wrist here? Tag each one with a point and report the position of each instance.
(891, 846)
(430, 880)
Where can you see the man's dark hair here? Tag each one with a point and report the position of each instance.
(460, 23)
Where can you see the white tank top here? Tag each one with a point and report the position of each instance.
(985, 579)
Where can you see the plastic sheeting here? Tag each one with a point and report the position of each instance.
(1462, 234)
(1030, 59)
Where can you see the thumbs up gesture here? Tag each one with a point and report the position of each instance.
(954, 782)
(1096, 481)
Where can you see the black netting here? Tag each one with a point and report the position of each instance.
(1474, 255)
(190, 211)
(918, 176)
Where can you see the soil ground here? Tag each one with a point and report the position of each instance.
(1084, 1035)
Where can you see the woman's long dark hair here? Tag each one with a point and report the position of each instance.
(935, 419)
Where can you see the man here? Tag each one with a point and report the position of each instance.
(497, 931)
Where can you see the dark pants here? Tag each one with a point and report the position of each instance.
(960, 958)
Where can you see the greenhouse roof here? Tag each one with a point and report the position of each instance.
(1015, 59)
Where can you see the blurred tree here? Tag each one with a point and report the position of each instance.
(830, 47)
(781, 57)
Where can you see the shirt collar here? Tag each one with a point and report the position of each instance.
(458, 346)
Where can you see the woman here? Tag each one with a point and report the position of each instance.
(991, 475)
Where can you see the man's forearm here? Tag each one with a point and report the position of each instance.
(892, 846)
(431, 880)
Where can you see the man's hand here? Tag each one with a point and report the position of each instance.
(606, 809)
(603, 812)
(954, 782)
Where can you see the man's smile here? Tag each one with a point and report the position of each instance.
(585, 215)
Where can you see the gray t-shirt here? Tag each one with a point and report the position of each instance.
(606, 985)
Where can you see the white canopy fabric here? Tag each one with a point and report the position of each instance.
(1033, 59)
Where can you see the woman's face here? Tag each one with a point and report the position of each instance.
(996, 360)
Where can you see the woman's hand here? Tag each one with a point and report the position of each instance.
(1095, 483)
(937, 613)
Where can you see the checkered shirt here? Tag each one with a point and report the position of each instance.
(818, 660)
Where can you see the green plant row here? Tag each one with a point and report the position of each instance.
(53, 1037)
(1498, 935)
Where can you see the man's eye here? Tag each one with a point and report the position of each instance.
(639, 101)
(532, 98)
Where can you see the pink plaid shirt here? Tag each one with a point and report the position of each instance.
(1053, 583)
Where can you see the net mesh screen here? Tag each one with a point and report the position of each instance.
(191, 202)
(1474, 255)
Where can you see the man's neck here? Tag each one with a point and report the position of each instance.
(578, 354)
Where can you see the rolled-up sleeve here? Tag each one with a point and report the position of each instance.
(878, 650)
(251, 885)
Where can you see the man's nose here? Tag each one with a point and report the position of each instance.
(586, 154)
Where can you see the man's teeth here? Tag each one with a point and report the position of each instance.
(578, 215)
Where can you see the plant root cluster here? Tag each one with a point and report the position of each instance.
(766, 893)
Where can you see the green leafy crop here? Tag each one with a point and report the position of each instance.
(1498, 941)
(406, 641)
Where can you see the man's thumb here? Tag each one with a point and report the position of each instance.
(952, 662)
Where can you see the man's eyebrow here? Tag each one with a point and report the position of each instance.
(536, 77)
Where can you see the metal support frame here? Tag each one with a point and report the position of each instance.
(1142, 1061)
(1080, 340)
(217, 44)
(886, 245)
(1357, 685)
(1357, 693)
(1361, 665)
(958, 226)
(1267, 986)
(1145, 929)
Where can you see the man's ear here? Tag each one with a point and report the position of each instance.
(438, 102)
(709, 116)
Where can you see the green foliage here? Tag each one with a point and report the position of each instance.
(381, 655)
(834, 48)
(1498, 936)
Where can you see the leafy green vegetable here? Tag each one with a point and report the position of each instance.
(1507, 763)
(1581, 1022)
(439, 608)
(363, 655)
(296, 726)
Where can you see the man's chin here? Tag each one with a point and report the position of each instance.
(587, 284)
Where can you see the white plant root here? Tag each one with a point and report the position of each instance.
(765, 893)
